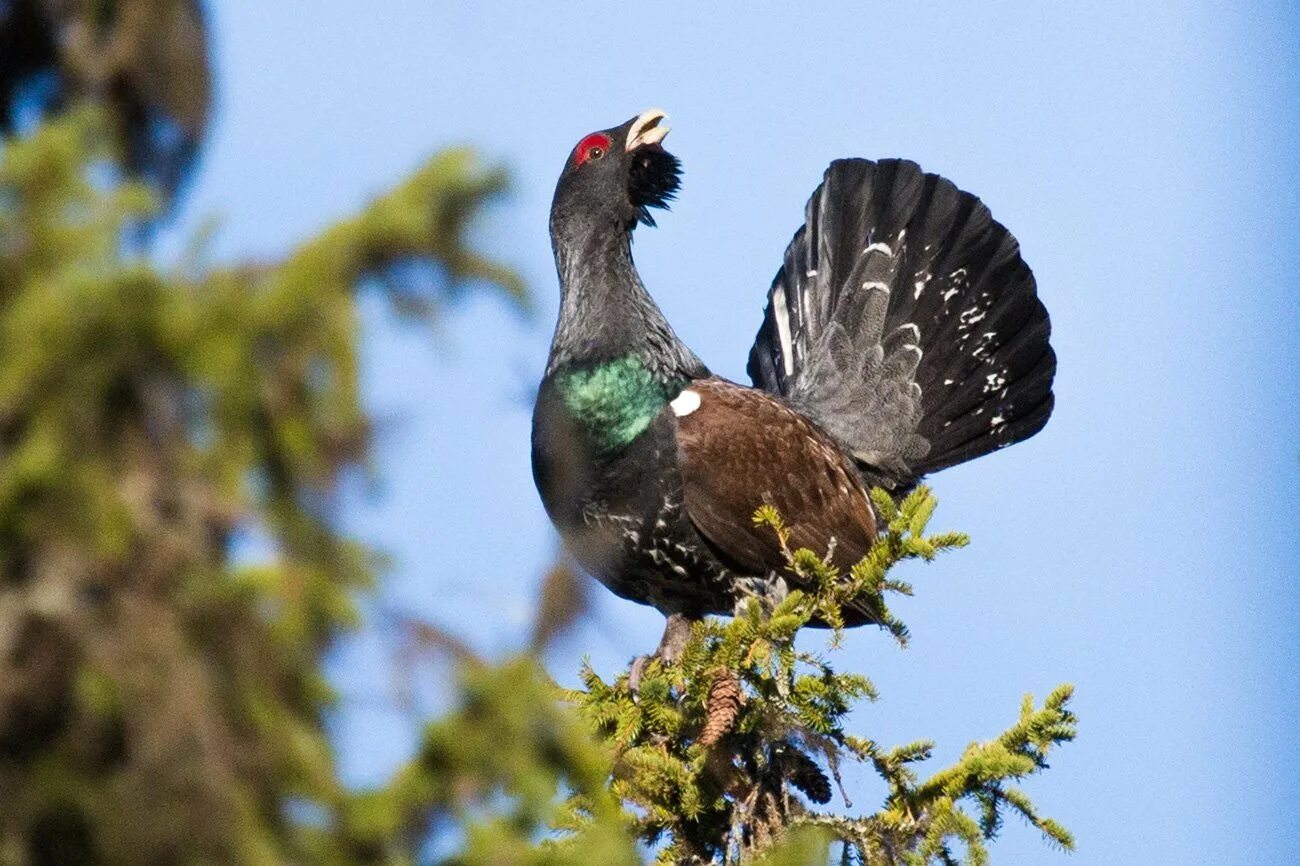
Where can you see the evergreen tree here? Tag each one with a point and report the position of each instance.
(145, 61)
(159, 701)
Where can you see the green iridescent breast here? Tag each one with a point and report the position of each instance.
(615, 400)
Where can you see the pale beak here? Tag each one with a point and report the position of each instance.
(646, 129)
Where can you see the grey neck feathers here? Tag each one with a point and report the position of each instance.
(605, 310)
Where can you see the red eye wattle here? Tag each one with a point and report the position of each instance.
(592, 147)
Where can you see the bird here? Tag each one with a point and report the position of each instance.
(902, 334)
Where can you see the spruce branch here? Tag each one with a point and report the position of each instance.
(729, 750)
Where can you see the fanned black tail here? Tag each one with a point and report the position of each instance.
(905, 322)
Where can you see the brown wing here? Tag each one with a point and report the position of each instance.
(739, 449)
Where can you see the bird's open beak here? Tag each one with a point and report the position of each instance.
(646, 129)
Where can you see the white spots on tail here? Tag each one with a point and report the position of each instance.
(685, 403)
(994, 381)
(948, 294)
(981, 350)
(876, 286)
(783, 329)
(803, 314)
(922, 279)
(879, 247)
(811, 272)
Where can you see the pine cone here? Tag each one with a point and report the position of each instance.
(725, 698)
(803, 772)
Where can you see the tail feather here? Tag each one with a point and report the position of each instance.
(905, 322)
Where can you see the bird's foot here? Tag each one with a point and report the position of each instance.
(677, 631)
(635, 672)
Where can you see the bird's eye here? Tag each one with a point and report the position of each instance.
(592, 147)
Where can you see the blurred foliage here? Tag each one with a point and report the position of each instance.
(162, 701)
(564, 599)
(144, 62)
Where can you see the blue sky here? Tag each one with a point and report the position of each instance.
(1143, 546)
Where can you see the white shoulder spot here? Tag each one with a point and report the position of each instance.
(685, 403)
